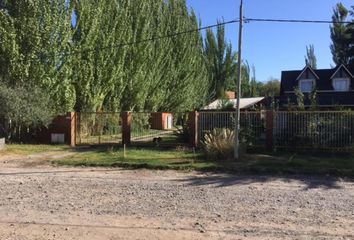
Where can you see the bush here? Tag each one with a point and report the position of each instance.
(219, 143)
(181, 123)
(23, 109)
(141, 122)
(183, 133)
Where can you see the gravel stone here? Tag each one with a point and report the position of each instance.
(76, 203)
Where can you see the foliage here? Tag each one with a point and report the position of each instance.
(316, 130)
(299, 98)
(249, 85)
(253, 91)
(23, 108)
(219, 143)
(225, 105)
(34, 36)
(138, 77)
(141, 122)
(304, 101)
(221, 63)
(181, 121)
(310, 58)
(86, 55)
(340, 35)
(93, 56)
(183, 133)
(313, 100)
(269, 89)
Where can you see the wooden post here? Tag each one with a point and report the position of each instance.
(269, 129)
(193, 128)
(126, 127)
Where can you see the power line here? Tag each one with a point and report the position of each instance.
(294, 21)
(152, 39)
(156, 38)
(175, 34)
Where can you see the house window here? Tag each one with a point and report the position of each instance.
(307, 85)
(341, 84)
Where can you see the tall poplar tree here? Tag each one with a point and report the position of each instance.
(340, 35)
(122, 63)
(221, 63)
(35, 36)
(310, 58)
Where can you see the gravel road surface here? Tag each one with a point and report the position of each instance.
(44, 202)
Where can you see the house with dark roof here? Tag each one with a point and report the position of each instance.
(333, 87)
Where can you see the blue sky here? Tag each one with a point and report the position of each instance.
(273, 47)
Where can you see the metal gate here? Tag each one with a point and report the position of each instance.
(98, 128)
(159, 129)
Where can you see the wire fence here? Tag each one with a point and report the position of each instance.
(302, 130)
(98, 128)
(252, 125)
(299, 130)
(329, 130)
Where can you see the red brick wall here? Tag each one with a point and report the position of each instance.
(126, 127)
(159, 120)
(193, 128)
(60, 125)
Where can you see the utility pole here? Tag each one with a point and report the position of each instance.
(238, 89)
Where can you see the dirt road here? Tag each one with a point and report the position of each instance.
(44, 202)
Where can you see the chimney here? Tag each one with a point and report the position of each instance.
(230, 95)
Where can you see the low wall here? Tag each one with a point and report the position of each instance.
(61, 130)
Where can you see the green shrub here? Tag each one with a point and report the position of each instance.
(219, 143)
(141, 122)
(181, 123)
(22, 110)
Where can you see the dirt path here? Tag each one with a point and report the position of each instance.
(44, 202)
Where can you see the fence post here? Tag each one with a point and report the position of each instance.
(269, 129)
(193, 128)
(126, 127)
(72, 129)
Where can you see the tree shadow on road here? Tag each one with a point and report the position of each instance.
(310, 171)
(304, 182)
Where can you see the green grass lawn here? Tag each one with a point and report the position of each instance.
(257, 162)
(139, 158)
(254, 163)
(26, 149)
